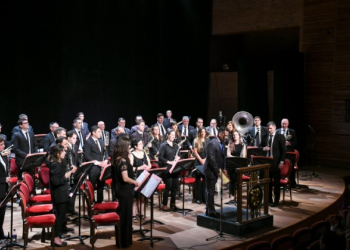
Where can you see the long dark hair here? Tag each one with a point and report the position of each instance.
(121, 150)
(55, 153)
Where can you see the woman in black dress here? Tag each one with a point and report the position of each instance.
(173, 126)
(122, 177)
(59, 191)
(231, 128)
(157, 140)
(238, 149)
(167, 157)
(200, 152)
(140, 161)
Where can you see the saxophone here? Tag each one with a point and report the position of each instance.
(146, 148)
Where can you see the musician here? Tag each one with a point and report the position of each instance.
(212, 165)
(168, 119)
(104, 134)
(276, 148)
(231, 128)
(50, 137)
(124, 183)
(158, 140)
(173, 126)
(185, 130)
(235, 148)
(140, 133)
(59, 192)
(4, 136)
(194, 132)
(58, 133)
(4, 180)
(200, 144)
(212, 129)
(74, 161)
(121, 123)
(84, 125)
(24, 143)
(94, 150)
(62, 141)
(17, 128)
(81, 139)
(168, 155)
(118, 131)
(258, 133)
(160, 121)
(135, 128)
(140, 161)
(291, 141)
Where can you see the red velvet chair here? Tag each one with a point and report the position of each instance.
(160, 189)
(14, 172)
(318, 229)
(314, 245)
(285, 178)
(104, 219)
(282, 242)
(295, 156)
(41, 198)
(39, 221)
(34, 209)
(44, 178)
(302, 237)
(260, 245)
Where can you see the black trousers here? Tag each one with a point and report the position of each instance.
(71, 206)
(232, 175)
(125, 198)
(209, 194)
(199, 187)
(171, 184)
(2, 217)
(61, 218)
(94, 177)
(275, 174)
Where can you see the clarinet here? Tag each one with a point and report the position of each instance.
(71, 177)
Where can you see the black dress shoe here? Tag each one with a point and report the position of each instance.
(68, 229)
(62, 236)
(214, 215)
(61, 245)
(275, 204)
(74, 213)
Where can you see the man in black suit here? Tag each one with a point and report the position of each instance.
(185, 130)
(50, 137)
(4, 179)
(193, 133)
(275, 148)
(17, 128)
(113, 142)
(84, 125)
(24, 143)
(212, 129)
(104, 134)
(212, 165)
(81, 139)
(140, 133)
(134, 128)
(168, 119)
(258, 133)
(121, 123)
(94, 151)
(160, 124)
(291, 141)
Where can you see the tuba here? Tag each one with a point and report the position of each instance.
(242, 121)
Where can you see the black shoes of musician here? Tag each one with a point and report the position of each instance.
(61, 245)
(68, 229)
(275, 204)
(174, 207)
(165, 208)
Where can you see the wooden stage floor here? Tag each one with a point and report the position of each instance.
(182, 232)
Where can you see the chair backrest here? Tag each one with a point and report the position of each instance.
(88, 202)
(286, 170)
(23, 204)
(90, 188)
(317, 229)
(260, 245)
(314, 245)
(302, 237)
(25, 191)
(13, 166)
(256, 160)
(282, 242)
(297, 155)
(28, 179)
(44, 177)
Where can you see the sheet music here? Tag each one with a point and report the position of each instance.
(151, 185)
(141, 179)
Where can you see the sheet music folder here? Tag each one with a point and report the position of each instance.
(180, 165)
(151, 185)
(236, 162)
(142, 179)
(85, 167)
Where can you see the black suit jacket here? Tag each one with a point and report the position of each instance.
(208, 129)
(138, 136)
(58, 183)
(293, 139)
(78, 139)
(47, 141)
(85, 128)
(113, 135)
(18, 129)
(192, 135)
(190, 128)
(3, 175)
(21, 147)
(93, 153)
(264, 135)
(278, 150)
(134, 129)
(214, 159)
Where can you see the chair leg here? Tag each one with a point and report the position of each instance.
(284, 192)
(53, 237)
(92, 235)
(25, 236)
(109, 193)
(297, 170)
(119, 237)
(290, 191)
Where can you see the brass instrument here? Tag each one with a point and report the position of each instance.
(68, 168)
(243, 121)
(224, 178)
(7, 149)
(288, 136)
(180, 144)
(146, 148)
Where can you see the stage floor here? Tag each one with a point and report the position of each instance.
(182, 232)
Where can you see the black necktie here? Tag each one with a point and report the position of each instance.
(97, 144)
(28, 142)
(81, 140)
(185, 131)
(214, 130)
(270, 145)
(103, 137)
(257, 137)
(73, 149)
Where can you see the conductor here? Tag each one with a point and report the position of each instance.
(212, 165)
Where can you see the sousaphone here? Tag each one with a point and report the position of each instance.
(243, 121)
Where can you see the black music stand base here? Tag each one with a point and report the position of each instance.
(140, 231)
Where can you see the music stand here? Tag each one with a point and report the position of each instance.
(156, 179)
(262, 160)
(255, 151)
(180, 167)
(160, 173)
(86, 167)
(183, 154)
(9, 197)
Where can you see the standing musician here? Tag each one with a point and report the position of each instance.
(212, 129)
(173, 126)
(275, 148)
(194, 132)
(121, 124)
(24, 143)
(59, 192)
(168, 119)
(157, 140)
(124, 183)
(4, 180)
(200, 144)
(50, 137)
(135, 127)
(104, 134)
(118, 131)
(81, 139)
(238, 149)
(167, 157)
(74, 162)
(94, 150)
(140, 161)
(140, 133)
(160, 124)
(258, 133)
(17, 128)
(185, 130)
(84, 125)
(212, 165)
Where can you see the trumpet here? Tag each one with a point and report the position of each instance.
(6, 150)
(224, 178)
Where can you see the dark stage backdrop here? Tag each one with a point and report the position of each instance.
(105, 58)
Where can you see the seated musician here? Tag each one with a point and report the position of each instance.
(154, 148)
(140, 133)
(231, 128)
(118, 131)
(238, 149)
